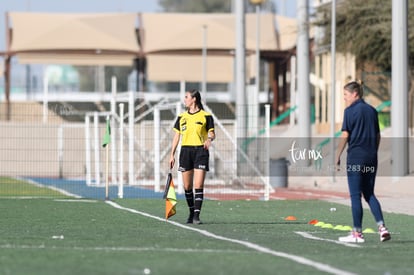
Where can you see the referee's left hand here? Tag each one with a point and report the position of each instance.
(207, 144)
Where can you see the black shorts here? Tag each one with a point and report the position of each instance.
(193, 157)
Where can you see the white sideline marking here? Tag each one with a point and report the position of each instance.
(310, 236)
(122, 249)
(74, 200)
(25, 197)
(45, 197)
(64, 192)
(295, 258)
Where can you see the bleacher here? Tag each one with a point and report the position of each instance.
(75, 111)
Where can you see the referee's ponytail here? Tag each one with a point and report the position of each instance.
(196, 94)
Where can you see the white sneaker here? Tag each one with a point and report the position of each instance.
(353, 237)
(384, 234)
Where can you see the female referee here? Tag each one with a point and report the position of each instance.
(196, 129)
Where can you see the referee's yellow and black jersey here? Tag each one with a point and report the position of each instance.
(194, 127)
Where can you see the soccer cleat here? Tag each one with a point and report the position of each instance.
(354, 237)
(196, 219)
(384, 234)
(190, 217)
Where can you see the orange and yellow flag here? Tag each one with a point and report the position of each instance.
(170, 198)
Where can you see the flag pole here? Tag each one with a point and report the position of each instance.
(107, 174)
(167, 186)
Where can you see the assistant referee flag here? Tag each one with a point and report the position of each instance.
(107, 136)
(170, 197)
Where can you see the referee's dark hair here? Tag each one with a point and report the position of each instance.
(196, 94)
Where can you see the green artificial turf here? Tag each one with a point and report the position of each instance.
(78, 236)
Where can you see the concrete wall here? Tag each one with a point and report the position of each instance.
(31, 149)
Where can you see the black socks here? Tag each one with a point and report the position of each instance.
(194, 202)
(198, 201)
(189, 196)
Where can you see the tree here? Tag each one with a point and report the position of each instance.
(205, 6)
(208, 6)
(364, 29)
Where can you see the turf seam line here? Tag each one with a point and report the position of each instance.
(75, 200)
(122, 249)
(295, 258)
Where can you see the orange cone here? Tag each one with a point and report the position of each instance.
(313, 222)
(290, 218)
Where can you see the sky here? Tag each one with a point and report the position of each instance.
(284, 7)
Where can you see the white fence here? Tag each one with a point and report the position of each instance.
(147, 154)
(54, 147)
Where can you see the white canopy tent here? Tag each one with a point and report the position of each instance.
(77, 39)
(171, 42)
(175, 41)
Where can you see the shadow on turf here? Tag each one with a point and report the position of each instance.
(400, 241)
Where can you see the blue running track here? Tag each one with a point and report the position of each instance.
(79, 188)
